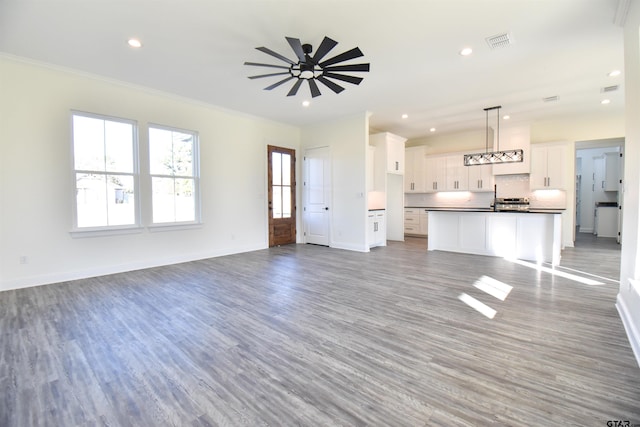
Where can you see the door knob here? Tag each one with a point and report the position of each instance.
(326, 208)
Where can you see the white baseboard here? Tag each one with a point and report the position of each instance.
(58, 277)
(632, 331)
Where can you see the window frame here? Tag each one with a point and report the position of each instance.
(76, 230)
(195, 168)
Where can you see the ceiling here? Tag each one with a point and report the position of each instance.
(197, 49)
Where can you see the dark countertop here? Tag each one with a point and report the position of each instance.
(532, 210)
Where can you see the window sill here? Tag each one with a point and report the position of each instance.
(100, 232)
(173, 226)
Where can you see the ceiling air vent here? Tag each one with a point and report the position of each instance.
(610, 88)
(499, 40)
(550, 99)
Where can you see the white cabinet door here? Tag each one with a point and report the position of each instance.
(376, 229)
(538, 176)
(612, 171)
(548, 163)
(457, 174)
(481, 178)
(556, 166)
(414, 172)
(395, 154)
(435, 174)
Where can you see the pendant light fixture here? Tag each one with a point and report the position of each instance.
(491, 157)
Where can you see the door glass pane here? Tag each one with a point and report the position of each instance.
(276, 168)
(277, 202)
(286, 169)
(286, 202)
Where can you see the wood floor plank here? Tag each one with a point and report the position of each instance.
(307, 335)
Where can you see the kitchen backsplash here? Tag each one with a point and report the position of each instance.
(507, 186)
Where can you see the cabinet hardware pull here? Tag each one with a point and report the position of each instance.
(397, 166)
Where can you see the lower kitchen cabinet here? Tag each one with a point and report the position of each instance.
(376, 228)
(416, 221)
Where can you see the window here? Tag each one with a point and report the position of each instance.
(105, 170)
(173, 162)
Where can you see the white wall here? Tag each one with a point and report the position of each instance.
(347, 139)
(628, 301)
(36, 186)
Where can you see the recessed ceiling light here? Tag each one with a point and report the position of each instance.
(506, 117)
(605, 101)
(405, 116)
(432, 130)
(134, 43)
(466, 51)
(305, 103)
(614, 73)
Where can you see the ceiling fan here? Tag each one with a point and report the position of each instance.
(313, 68)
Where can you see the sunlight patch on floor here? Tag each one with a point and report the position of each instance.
(557, 272)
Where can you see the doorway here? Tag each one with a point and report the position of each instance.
(281, 195)
(598, 195)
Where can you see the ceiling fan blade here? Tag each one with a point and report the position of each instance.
(344, 78)
(268, 75)
(297, 48)
(352, 67)
(278, 83)
(294, 88)
(324, 48)
(331, 85)
(314, 88)
(350, 54)
(259, 64)
(275, 54)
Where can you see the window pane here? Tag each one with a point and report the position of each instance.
(276, 168)
(277, 201)
(183, 154)
(286, 202)
(88, 143)
(160, 152)
(119, 146)
(184, 200)
(286, 169)
(163, 200)
(120, 198)
(91, 200)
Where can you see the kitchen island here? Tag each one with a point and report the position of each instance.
(534, 235)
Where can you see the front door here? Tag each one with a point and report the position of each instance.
(282, 195)
(317, 186)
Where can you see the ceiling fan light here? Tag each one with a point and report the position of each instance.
(307, 74)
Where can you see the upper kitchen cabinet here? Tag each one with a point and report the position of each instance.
(414, 171)
(481, 178)
(512, 138)
(548, 166)
(393, 148)
(457, 176)
(435, 174)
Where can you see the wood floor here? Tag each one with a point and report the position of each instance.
(310, 336)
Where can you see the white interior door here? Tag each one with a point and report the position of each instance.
(317, 188)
